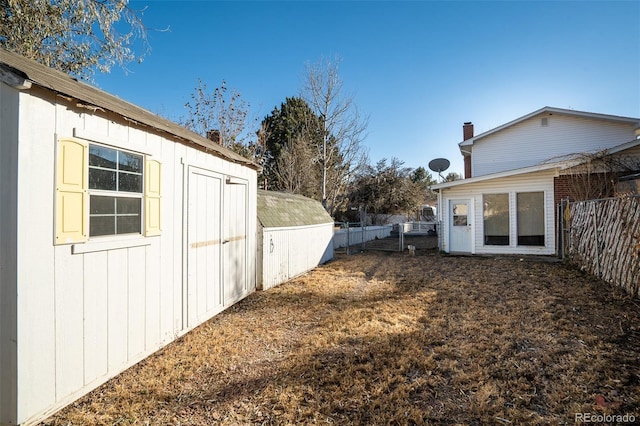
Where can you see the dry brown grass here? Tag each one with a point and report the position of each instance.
(382, 338)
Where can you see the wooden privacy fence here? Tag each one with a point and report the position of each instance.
(603, 238)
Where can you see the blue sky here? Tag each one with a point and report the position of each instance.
(417, 69)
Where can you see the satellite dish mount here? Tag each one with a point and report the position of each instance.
(439, 165)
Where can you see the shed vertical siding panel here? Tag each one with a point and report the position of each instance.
(172, 212)
(155, 260)
(276, 258)
(95, 124)
(35, 257)
(153, 285)
(9, 102)
(120, 132)
(69, 286)
(235, 251)
(252, 226)
(288, 252)
(117, 309)
(95, 316)
(136, 301)
(69, 322)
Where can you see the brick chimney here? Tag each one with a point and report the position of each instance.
(467, 133)
(214, 135)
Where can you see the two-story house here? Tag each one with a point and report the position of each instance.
(516, 173)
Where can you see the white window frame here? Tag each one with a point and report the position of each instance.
(118, 194)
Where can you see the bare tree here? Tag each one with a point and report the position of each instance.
(339, 151)
(220, 115)
(74, 36)
(596, 174)
(451, 176)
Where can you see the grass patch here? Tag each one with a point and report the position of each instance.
(386, 338)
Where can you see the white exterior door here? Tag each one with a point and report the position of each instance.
(204, 261)
(234, 244)
(460, 226)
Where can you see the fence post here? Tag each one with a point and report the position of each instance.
(560, 231)
(595, 230)
(348, 242)
(569, 221)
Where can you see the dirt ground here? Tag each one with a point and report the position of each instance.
(389, 338)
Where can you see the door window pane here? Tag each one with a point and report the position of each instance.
(530, 218)
(496, 219)
(460, 214)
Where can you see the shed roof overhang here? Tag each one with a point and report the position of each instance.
(20, 72)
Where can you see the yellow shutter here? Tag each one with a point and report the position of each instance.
(152, 198)
(71, 191)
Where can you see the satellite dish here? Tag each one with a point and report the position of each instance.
(439, 165)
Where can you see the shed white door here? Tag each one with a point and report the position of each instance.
(459, 226)
(204, 252)
(235, 239)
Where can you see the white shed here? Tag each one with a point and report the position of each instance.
(120, 231)
(294, 236)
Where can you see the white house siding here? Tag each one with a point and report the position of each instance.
(529, 143)
(85, 312)
(530, 182)
(288, 252)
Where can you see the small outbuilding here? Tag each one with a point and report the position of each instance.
(294, 236)
(120, 231)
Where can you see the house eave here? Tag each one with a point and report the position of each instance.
(563, 163)
(550, 111)
(541, 167)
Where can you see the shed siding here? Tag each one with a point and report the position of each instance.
(288, 252)
(529, 143)
(531, 182)
(9, 155)
(88, 311)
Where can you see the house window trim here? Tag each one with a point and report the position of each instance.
(509, 237)
(544, 220)
(513, 220)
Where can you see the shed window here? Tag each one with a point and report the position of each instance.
(496, 219)
(104, 191)
(115, 189)
(530, 218)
